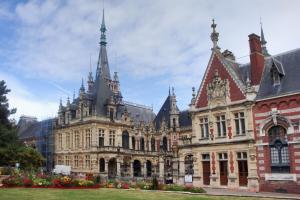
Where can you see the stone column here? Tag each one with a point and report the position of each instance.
(131, 169)
(161, 168)
(181, 172)
(118, 168)
(145, 169)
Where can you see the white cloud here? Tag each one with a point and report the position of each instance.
(168, 41)
(26, 102)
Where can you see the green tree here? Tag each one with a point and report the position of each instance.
(8, 133)
(11, 150)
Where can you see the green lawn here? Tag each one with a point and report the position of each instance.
(103, 193)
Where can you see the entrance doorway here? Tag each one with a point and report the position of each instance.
(206, 172)
(149, 168)
(243, 168)
(112, 168)
(223, 172)
(137, 168)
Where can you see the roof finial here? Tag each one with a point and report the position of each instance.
(263, 40)
(173, 91)
(74, 95)
(169, 91)
(214, 35)
(103, 30)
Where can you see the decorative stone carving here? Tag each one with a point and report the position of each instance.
(217, 91)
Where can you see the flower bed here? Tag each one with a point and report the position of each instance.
(69, 182)
(44, 181)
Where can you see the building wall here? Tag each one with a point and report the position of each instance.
(213, 145)
(285, 112)
(66, 151)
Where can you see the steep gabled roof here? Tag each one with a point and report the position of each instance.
(163, 113)
(102, 94)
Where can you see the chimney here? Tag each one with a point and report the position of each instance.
(257, 60)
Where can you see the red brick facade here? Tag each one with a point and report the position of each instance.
(286, 110)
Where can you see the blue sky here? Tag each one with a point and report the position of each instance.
(45, 46)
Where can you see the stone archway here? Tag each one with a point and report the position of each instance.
(112, 168)
(137, 168)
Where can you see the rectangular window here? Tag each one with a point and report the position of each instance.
(87, 162)
(112, 137)
(205, 157)
(60, 140)
(204, 128)
(239, 119)
(77, 139)
(241, 155)
(68, 160)
(76, 161)
(88, 139)
(221, 125)
(101, 137)
(68, 140)
(223, 156)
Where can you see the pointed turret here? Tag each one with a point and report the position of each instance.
(90, 79)
(214, 35)
(82, 89)
(263, 41)
(102, 66)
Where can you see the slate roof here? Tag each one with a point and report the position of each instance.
(185, 119)
(288, 64)
(101, 95)
(163, 113)
(139, 113)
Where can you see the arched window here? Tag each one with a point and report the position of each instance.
(133, 143)
(102, 165)
(152, 144)
(142, 144)
(125, 140)
(279, 152)
(137, 168)
(165, 143)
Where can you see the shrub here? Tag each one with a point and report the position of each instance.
(174, 187)
(194, 189)
(12, 181)
(41, 182)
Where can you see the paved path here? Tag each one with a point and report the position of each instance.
(227, 192)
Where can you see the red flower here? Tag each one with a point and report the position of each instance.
(27, 182)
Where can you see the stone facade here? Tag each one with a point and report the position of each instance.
(241, 130)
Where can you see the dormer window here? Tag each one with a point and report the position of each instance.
(275, 77)
(277, 72)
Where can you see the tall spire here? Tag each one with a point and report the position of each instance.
(214, 35)
(263, 41)
(103, 30)
(102, 66)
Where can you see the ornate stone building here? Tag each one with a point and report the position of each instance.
(98, 132)
(241, 130)
(222, 150)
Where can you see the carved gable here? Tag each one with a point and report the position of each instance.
(218, 85)
(217, 91)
